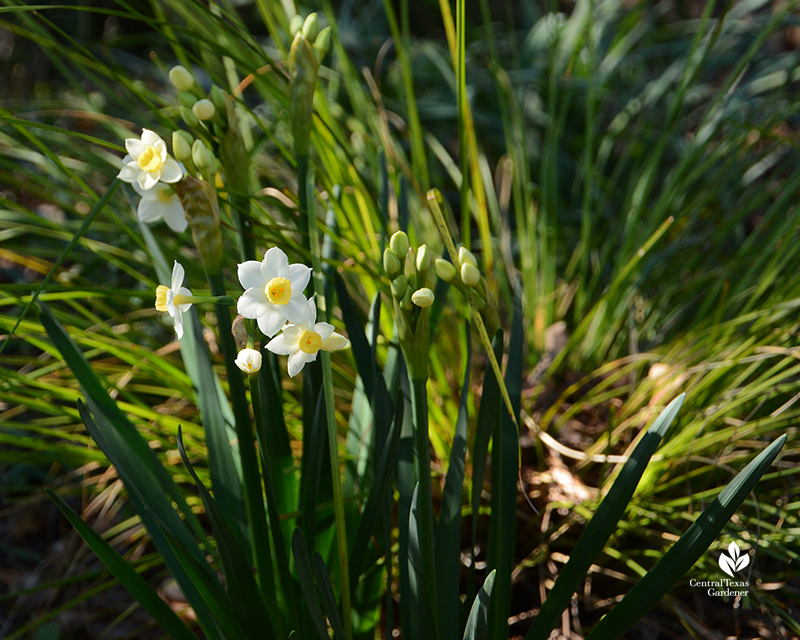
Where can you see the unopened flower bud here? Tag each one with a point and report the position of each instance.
(181, 78)
(199, 154)
(423, 257)
(249, 360)
(204, 109)
(189, 118)
(391, 263)
(423, 297)
(444, 269)
(470, 275)
(311, 27)
(399, 286)
(399, 244)
(182, 145)
(410, 268)
(296, 24)
(322, 43)
(465, 256)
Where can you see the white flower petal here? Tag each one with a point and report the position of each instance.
(293, 332)
(149, 209)
(297, 310)
(281, 346)
(179, 325)
(171, 171)
(172, 212)
(135, 147)
(253, 303)
(299, 275)
(148, 179)
(323, 329)
(250, 275)
(178, 274)
(274, 264)
(335, 342)
(270, 322)
(150, 138)
(161, 149)
(130, 172)
(297, 360)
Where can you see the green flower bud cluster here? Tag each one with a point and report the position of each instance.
(408, 269)
(196, 107)
(215, 132)
(464, 275)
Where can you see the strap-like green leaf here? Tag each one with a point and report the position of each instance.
(685, 552)
(122, 571)
(478, 622)
(240, 584)
(505, 471)
(602, 525)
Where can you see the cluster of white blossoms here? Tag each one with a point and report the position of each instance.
(151, 171)
(274, 298)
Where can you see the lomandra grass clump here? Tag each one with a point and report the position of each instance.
(295, 542)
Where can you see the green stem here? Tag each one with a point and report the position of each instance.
(305, 193)
(253, 499)
(422, 463)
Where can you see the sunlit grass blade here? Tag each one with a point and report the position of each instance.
(64, 254)
(126, 574)
(505, 471)
(244, 594)
(478, 622)
(448, 527)
(602, 525)
(684, 553)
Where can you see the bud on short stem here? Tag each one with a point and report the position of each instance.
(182, 145)
(465, 257)
(204, 109)
(399, 244)
(445, 270)
(311, 27)
(423, 258)
(181, 78)
(470, 275)
(390, 263)
(423, 297)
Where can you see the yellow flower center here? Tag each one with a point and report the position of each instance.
(161, 297)
(310, 342)
(278, 290)
(149, 160)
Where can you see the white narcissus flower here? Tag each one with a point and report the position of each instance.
(147, 162)
(249, 360)
(302, 341)
(172, 300)
(274, 292)
(161, 202)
